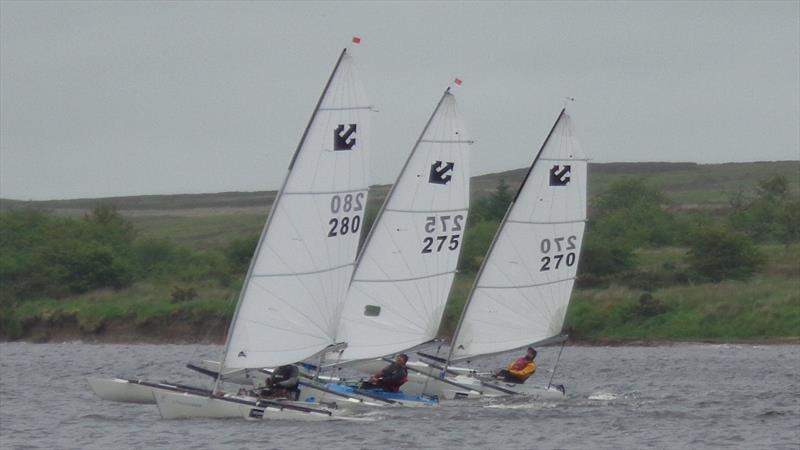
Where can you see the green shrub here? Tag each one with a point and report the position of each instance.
(153, 256)
(239, 252)
(44, 255)
(633, 213)
(647, 307)
(493, 207)
(477, 239)
(602, 257)
(717, 254)
(774, 215)
(183, 293)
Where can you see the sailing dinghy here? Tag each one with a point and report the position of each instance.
(406, 269)
(523, 287)
(298, 278)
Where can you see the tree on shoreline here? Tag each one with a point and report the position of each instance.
(717, 254)
(774, 215)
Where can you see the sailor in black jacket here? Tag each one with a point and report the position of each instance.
(391, 377)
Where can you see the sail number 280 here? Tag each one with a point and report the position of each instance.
(445, 225)
(346, 204)
(554, 250)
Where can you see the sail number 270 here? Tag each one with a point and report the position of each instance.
(445, 225)
(559, 245)
(345, 204)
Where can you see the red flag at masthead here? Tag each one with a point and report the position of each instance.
(458, 81)
(356, 40)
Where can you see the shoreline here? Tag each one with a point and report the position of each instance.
(171, 338)
(213, 330)
(638, 343)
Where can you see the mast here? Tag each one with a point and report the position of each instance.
(454, 340)
(270, 217)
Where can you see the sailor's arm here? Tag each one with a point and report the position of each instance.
(290, 382)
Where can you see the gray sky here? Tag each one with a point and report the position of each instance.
(127, 98)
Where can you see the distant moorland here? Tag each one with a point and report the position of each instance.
(673, 251)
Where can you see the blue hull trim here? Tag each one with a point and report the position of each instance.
(395, 396)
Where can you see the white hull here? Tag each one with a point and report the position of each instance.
(141, 391)
(135, 391)
(461, 382)
(432, 386)
(466, 384)
(173, 405)
(535, 392)
(261, 413)
(119, 390)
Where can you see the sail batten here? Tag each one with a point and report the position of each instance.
(350, 108)
(380, 280)
(422, 211)
(406, 269)
(363, 189)
(518, 286)
(433, 141)
(522, 290)
(297, 274)
(529, 222)
(561, 159)
(298, 277)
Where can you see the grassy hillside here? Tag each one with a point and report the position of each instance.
(765, 307)
(703, 185)
(206, 220)
(768, 306)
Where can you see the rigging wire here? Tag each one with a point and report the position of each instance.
(553, 373)
(428, 378)
(212, 329)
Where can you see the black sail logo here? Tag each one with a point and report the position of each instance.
(559, 175)
(344, 138)
(440, 172)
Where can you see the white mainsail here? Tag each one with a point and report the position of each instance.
(522, 291)
(406, 269)
(299, 275)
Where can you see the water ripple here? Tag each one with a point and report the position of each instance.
(693, 396)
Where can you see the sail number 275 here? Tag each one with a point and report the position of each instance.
(434, 225)
(346, 204)
(556, 251)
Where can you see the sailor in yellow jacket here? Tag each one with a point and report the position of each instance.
(519, 370)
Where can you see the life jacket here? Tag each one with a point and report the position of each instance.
(520, 363)
(520, 370)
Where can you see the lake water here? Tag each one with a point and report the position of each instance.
(685, 396)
